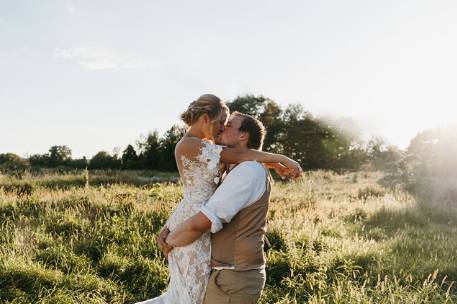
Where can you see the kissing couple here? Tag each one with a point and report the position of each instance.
(214, 238)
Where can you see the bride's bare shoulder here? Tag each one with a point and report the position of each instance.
(188, 146)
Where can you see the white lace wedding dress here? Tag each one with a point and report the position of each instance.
(189, 266)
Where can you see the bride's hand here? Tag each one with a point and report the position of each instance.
(296, 170)
(280, 169)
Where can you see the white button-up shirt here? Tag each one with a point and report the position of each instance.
(243, 186)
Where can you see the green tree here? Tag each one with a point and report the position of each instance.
(59, 155)
(39, 160)
(167, 147)
(79, 163)
(103, 160)
(382, 156)
(305, 139)
(129, 158)
(151, 153)
(248, 104)
(316, 144)
(272, 119)
(433, 152)
(10, 162)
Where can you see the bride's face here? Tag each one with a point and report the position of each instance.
(216, 126)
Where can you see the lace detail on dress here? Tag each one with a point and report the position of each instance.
(189, 266)
(201, 176)
(211, 154)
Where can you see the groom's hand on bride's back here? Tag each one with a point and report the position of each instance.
(161, 237)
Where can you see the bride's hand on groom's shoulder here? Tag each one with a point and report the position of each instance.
(161, 241)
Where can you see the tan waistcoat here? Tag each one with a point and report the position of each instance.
(240, 243)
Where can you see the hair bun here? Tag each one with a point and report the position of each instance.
(206, 104)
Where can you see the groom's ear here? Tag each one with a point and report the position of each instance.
(244, 135)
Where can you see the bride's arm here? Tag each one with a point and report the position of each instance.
(238, 155)
(191, 147)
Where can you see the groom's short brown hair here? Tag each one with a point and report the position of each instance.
(254, 128)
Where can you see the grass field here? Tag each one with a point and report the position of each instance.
(79, 238)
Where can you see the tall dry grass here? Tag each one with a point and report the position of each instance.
(335, 239)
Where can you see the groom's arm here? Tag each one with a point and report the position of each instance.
(189, 231)
(242, 186)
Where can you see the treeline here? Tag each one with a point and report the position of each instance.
(315, 143)
(151, 153)
(432, 153)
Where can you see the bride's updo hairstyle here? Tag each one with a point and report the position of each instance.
(208, 103)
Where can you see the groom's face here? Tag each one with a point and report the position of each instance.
(232, 133)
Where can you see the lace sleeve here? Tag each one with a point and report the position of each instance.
(211, 154)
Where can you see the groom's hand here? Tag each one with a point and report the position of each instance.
(161, 240)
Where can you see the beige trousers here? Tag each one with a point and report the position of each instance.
(230, 286)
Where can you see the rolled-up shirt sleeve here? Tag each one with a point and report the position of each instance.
(216, 223)
(244, 185)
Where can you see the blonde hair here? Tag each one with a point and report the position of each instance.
(206, 104)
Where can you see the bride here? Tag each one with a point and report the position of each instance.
(200, 163)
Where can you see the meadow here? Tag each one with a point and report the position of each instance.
(89, 237)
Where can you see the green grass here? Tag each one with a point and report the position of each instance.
(334, 239)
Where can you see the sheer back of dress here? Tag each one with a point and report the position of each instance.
(200, 173)
(200, 176)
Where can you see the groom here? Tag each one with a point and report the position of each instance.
(236, 215)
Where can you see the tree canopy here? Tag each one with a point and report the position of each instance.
(314, 142)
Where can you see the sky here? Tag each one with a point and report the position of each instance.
(96, 74)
